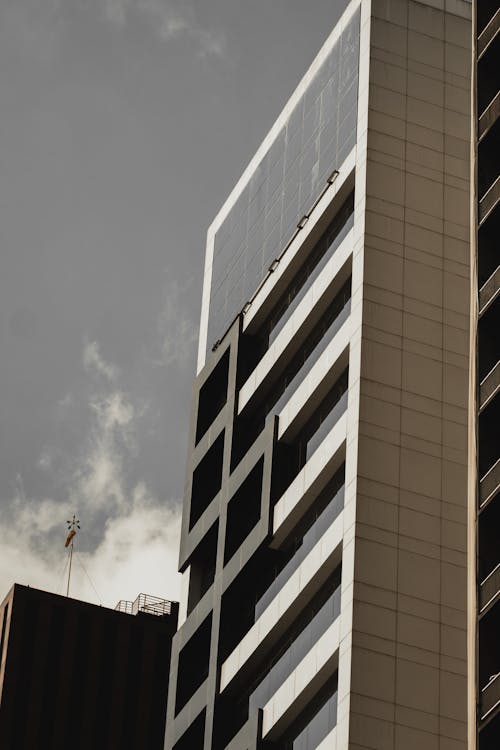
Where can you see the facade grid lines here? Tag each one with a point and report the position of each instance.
(383, 404)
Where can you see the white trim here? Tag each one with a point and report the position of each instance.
(312, 381)
(297, 683)
(304, 483)
(296, 321)
(323, 550)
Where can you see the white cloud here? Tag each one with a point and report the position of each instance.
(138, 552)
(93, 362)
(99, 479)
(131, 542)
(176, 330)
(169, 20)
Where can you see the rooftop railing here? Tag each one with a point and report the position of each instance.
(152, 605)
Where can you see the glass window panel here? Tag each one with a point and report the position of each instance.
(319, 621)
(303, 547)
(327, 107)
(320, 725)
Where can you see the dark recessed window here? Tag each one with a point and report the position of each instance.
(207, 480)
(213, 395)
(194, 660)
(243, 511)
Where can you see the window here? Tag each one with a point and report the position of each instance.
(243, 511)
(322, 514)
(310, 270)
(320, 723)
(213, 395)
(310, 351)
(194, 661)
(313, 623)
(325, 417)
(202, 566)
(207, 480)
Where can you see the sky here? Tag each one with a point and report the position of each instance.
(125, 124)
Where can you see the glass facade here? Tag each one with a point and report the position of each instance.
(304, 545)
(311, 270)
(310, 355)
(283, 667)
(320, 726)
(317, 137)
(324, 419)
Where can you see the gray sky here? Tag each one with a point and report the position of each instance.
(124, 125)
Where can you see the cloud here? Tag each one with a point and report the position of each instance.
(138, 552)
(169, 21)
(177, 332)
(99, 478)
(129, 538)
(33, 26)
(93, 362)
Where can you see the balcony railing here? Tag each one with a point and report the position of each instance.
(488, 34)
(296, 651)
(152, 605)
(311, 360)
(489, 484)
(489, 201)
(489, 589)
(490, 696)
(489, 291)
(489, 387)
(309, 540)
(298, 293)
(489, 116)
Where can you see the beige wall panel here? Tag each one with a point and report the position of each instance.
(409, 596)
(415, 739)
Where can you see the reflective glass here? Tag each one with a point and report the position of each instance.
(319, 133)
(296, 651)
(309, 273)
(312, 535)
(311, 360)
(326, 425)
(319, 726)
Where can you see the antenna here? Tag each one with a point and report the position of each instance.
(73, 525)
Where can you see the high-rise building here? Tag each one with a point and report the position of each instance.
(329, 528)
(486, 370)
(75, 675)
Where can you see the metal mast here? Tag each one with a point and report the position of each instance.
(73, 525)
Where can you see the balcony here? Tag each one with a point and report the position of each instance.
(294, 596)
(489, 387)
(489, 484)
(489, 201)
(489, 590)
(296, 651)
(489, 117)
(313, 534)
(490, 697)
(489, 291)
(488, 34)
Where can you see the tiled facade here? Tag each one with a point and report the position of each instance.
(326, 544)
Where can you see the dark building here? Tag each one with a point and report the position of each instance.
(77, 675)
(487, 344)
